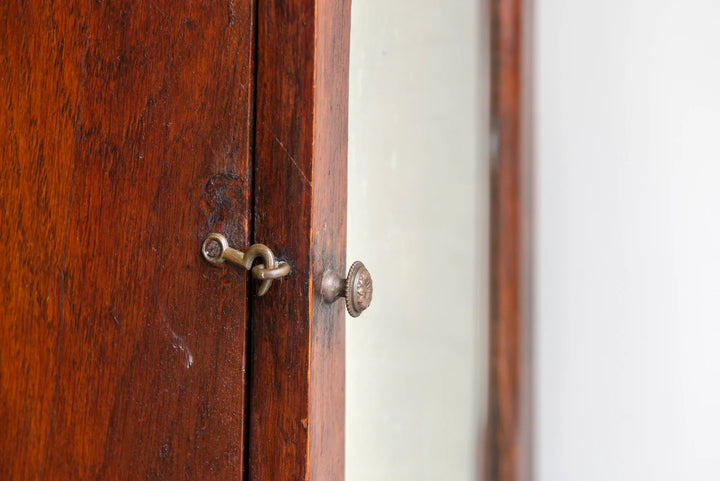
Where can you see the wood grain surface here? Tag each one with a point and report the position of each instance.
(125, 133)
(297, 368)
(507, 454)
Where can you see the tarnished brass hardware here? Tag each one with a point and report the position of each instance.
(216, 250)
(356, 288)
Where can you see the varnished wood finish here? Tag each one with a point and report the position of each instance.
(507, 456)
(297, 388)
(124, 139)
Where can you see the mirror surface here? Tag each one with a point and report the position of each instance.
(417, 218)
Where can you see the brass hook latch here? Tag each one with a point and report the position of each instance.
(216, 250)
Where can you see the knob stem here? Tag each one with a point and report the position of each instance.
(333, 287)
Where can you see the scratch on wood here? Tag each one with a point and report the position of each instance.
(302, 174)
(178, 343)
(115, 319)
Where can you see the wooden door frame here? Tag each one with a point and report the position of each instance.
(101, 315)
(296, 424)
(508, 453)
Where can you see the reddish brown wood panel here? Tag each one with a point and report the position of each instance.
(297, 388)
(507, 455)
(124, 139)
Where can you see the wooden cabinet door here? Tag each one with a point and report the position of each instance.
(128, 132)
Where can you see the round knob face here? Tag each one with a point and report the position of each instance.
(358, 289)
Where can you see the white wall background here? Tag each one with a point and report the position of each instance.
(416, 217)
(627, 280)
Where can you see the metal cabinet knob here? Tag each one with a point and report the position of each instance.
(356, 288)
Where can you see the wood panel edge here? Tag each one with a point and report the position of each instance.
(508, 433)
(297, 389)
(329, 231)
